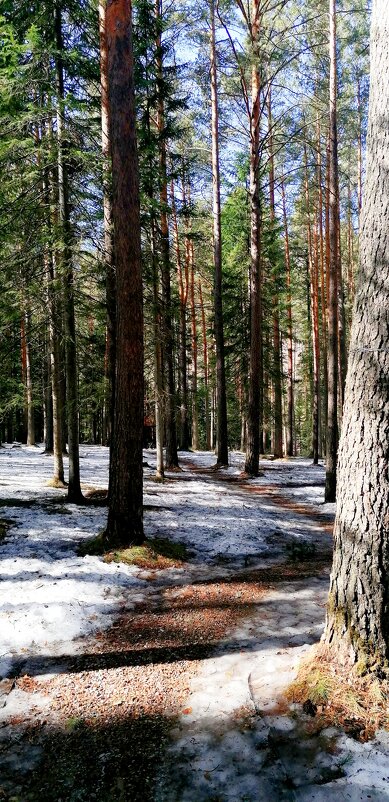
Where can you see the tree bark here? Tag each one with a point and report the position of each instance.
(206, 372)
(108, 227)
(290, 385)
(313, 283)
(255, 356)
(195, 411)
(277, 366)
(170, 416)
(357, 624)
(332, 297)
(125, 516)
(67, 276)
(183, 286)
(221, 396)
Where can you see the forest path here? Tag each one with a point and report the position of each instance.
(186, 684)
(239, 740)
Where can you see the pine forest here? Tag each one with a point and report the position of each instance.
(194, 367)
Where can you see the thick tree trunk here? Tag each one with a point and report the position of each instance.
(254, 414)
(221, 420)
(358, 608)
(125, 517)
(333, 272)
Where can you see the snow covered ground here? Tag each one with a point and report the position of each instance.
(49, 596)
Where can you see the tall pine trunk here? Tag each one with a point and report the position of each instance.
(183, 286)
(277, 364)
(332, 357)
(125, 516)
(254, 412)
(357, 624)
(170, 414)
(67, 275)
(221, 396)
(110, 276)
(290, 385)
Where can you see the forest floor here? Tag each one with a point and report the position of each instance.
(120, 683)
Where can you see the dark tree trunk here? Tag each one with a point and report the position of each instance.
(221, 396)
(358, 609)
(125, 516)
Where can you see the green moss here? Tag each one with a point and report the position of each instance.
(153, 553)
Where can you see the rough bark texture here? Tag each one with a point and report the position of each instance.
(358, 610)
(221, 420)
(333, 227)
(125, 517)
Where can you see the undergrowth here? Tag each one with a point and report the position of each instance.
(153, 553)
(340, 696)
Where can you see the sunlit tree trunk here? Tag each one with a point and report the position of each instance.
(290, 385)
(67, 276)
(170, 413)
(206, 368)
(254, 414)
(183, 286)
(125, 516)
(221, 420)
(313, 282)
(108, 227)
(277, 366)
(332, 293)
(192, 287)
(357, 626)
